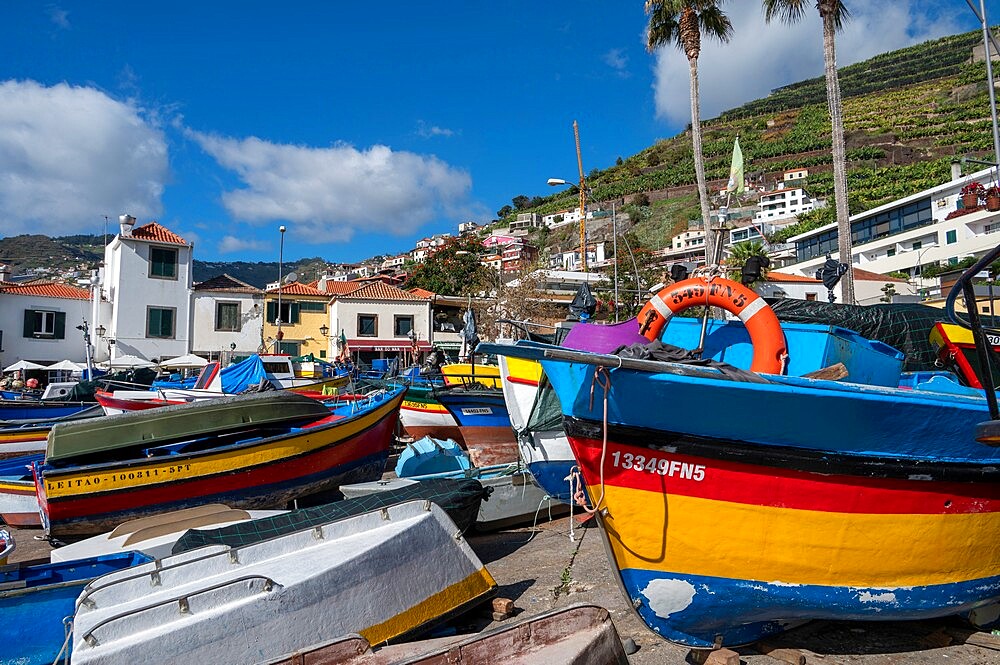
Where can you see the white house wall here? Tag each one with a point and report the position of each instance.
(344, 316)
(15, 346)
(131, 291)
(206, 339)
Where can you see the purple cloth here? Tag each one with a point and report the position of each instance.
(598, 338)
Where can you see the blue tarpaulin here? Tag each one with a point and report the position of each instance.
(235, 378)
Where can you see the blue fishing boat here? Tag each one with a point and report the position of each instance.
(789, 497)
(13, 411)
(38, 601)
(483, 422)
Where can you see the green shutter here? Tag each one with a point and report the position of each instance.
(293, 312)
(272, 312)
(29, 323)
(60, 331)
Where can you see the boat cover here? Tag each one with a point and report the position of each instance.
(459, 498)
(904, 326)
(235, 378)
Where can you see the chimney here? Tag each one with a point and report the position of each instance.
(127, 222)
(956, 170)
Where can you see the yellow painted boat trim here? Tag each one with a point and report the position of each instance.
(526, 370)
(441, 603)
(697, 536)
(59, 484)
(428, 407)
(458, 373)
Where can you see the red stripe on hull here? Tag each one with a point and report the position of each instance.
(329, 458)
(775, 487)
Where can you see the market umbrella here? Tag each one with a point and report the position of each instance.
(66, 366)
(184, 362)
(22, 365)
(129, 361)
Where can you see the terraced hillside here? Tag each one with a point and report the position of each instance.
(907, 115)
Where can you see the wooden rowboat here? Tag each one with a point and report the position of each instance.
(251, 452)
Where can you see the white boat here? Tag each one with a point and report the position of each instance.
(156, 535)
(368, 574)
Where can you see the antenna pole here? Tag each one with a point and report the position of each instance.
(583, 200)
(281, 252)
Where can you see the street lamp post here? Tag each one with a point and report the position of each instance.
(277, 321)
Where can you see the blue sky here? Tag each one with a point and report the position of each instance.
(361, 127)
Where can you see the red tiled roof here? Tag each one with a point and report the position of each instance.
(297, 289)
(382, 291)
(423, 293)
(45, 289)
(869, 276)
(156, 233)
(226, 283)
(785, 277)
(341, 288)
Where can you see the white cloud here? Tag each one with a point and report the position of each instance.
(616, 60)
(761, 56)
(70, 155)
(232, 244)
(430, 131)
(58, 16)
(337, 191)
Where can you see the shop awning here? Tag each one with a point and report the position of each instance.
(386, 345)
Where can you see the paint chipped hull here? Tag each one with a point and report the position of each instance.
(423, 415)
(719, 536)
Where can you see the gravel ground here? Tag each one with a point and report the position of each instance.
(541, 569)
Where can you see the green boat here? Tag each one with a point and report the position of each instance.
(85, 440)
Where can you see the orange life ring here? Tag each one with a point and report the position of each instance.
(769, 350)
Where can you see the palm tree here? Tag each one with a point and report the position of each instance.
(738, 256)
(683, 22)
(833, 13)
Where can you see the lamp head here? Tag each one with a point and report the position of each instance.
(281, 229)
(554, 182)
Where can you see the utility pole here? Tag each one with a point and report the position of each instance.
(583, 200)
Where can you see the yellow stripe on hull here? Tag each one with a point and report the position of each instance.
(441, 603)
(146, 474)
(706, 537)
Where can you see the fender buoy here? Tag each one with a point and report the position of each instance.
(769, 351)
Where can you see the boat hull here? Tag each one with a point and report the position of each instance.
(254, 474)
(423, 415)
(484, 424)
(259, 601)
(32, 632)
(744, 550)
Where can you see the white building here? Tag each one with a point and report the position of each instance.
(784, 203)
(467, 227)
(381, 321)
(38, 321)
(227, 317)
(526, 221)
(570, 260)
(924, 229)
(145, 293)
(868, 288)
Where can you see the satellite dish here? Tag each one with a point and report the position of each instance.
(291, 278)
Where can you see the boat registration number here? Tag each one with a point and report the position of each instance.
(477, 411)
(661, 465)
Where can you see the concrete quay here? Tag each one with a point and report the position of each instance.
(539, 568)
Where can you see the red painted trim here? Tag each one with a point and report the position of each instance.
(525, 382)
(338, 453)
(768, 486)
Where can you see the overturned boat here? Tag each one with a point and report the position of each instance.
(254, 603)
